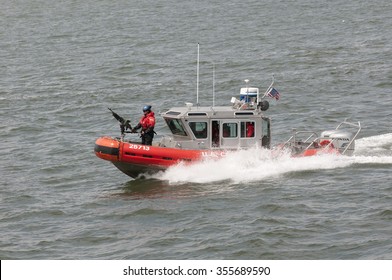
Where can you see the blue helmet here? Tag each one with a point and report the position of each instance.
(147, 108)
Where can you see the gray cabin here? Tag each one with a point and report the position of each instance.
(241, 125)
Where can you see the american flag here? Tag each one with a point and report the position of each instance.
(273, 93)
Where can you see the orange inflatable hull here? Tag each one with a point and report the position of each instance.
(134, 159)
(319, 151)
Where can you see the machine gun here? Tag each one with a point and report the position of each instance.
(124, 124)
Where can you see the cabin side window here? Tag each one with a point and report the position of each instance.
(199, 129)
(248, 129)
(230, 130)
(176, 127)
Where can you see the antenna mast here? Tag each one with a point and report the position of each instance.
(197, 78)
(213, 85)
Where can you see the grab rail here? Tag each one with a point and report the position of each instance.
(358, 125)
(314, 136)
(295, 133)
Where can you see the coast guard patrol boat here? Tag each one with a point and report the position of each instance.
(203, 132)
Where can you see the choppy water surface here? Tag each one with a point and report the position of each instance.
(64, 62)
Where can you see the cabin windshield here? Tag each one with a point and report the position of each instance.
(176, 127)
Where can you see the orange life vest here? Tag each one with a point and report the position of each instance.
(147, 121)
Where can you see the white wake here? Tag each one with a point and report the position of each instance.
(257, 164)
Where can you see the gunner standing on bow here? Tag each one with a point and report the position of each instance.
(146, 123)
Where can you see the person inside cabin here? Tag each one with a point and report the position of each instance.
(250, 129)
(146, 123)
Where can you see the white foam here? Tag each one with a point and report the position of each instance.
(257, 164)
(374, 145)
(247, 166)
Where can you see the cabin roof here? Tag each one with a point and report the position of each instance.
(216, 112)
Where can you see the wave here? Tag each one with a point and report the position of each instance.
(378, 145)
(258, 164)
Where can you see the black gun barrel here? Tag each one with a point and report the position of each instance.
(117, 116)
(124, 124)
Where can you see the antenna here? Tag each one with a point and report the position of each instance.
(197, 74)
(247, 90)
(213, 85)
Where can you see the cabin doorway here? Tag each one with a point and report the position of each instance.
(248, 133)
(215, 135)
(229, 134)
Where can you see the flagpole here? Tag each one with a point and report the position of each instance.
(273, 81)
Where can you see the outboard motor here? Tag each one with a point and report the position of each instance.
(338, 139)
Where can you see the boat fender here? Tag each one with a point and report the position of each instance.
(325, 143)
